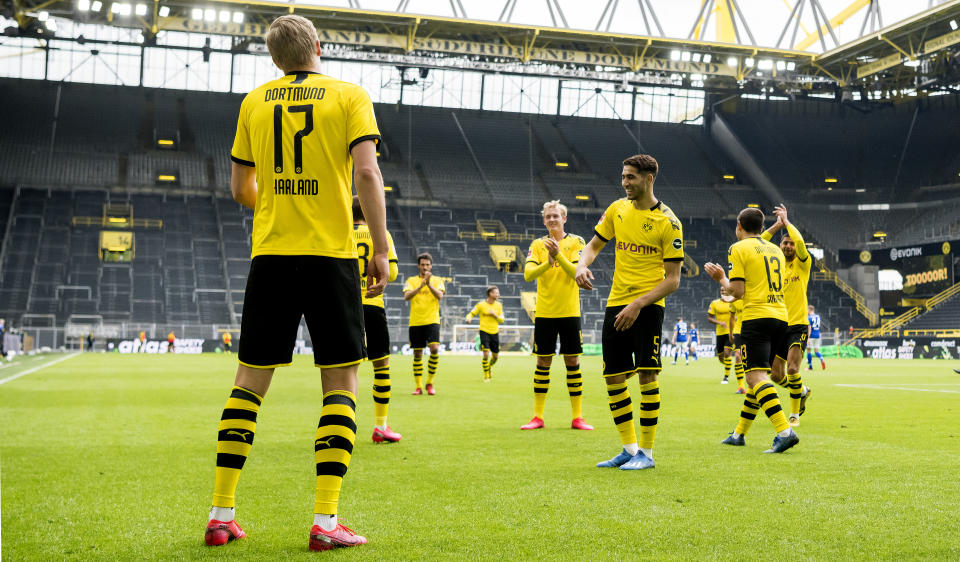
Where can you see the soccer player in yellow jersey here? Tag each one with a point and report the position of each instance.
(424, 292)
(490, 312)
(797, 275)
(375, 326)
(551, 261)
(301, 140)
(649, 252)
(719, 315)
(736, 323)
(756, 276)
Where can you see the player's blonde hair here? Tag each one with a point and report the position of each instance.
(555, 204)
(292, 42)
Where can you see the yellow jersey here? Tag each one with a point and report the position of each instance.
(557, 293)
(424, 307)
(736, 307)
(760, 265)
(796, 278)
(646, 238)
(361, 234)
(488, 324)
(721, 311)
(297, 131)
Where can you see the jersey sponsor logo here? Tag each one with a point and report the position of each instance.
(896, 253)
(641, 249)
(677, 243)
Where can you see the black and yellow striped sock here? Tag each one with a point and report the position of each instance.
(541, 384)
(795, 384)
(621, 408)
(432, 367)
(381, 394)
(234, 439)
(738, 369)
(649, 413)
(770, 403)
(748, 413)
(486, 367)
(575, 388)
(333, 447)
(726, 366)
(418, 370)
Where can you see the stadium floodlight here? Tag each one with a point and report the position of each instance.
(912, 63)
(238, 17)
(791, 66)
(729, 177)
(582, 197)
(51, 25)
(765, 64)
(115, 8)
(953, 25)
(166, 177)
(140, 9)
(861, 190)
(210, 14)
(674, 55)
(224, 16)
(781, 66)
(96, 6)
(748, 62)
(388, 188)
(165, 142)
(43, 16)
(696, 57)
(164, 11)
(830, 180)
(733, 61)
(83, 5)
(562, 164)
(196, 14)
(685, 56)
(754, 205)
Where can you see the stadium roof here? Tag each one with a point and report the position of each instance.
(720, 51)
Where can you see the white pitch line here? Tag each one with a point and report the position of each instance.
(878, 387)
(37, 368)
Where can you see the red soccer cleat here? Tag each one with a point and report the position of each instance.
(430, 390)
(418, 391)
(385, 435)
(741, 390)
(221, 532)
(578, 423)
(535, 423)
(339, 537)
(823, 365)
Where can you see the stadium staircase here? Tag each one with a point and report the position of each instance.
(937, 315)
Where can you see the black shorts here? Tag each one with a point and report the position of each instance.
(324, 291)
(378, 335)
(422, 336)
(723, 341)
(490, 342)
(546, 330)
(796, 335)
(737, 341)
(763, 339)
(637, 348)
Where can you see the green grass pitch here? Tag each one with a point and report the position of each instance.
(110, 457)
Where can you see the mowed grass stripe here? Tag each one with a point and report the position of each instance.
(110, 457)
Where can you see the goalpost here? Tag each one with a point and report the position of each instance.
(514, 339)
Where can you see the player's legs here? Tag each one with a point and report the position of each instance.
(761, 339)
(545, 333)
(381, 402)
(433, 343)
(693, 350)
(795, 382)
(739, 371)
(485, 362)
(418, 341)
(723, 352)
(571, 347)
(816, 350)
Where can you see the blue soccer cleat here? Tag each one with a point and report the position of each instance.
(735, 441)
(781, 444)
(616, 461)
(639, 461)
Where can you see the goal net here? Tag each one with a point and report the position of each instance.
(514, 340)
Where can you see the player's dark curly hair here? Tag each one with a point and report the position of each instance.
(751, 220)
(644, 163)
(424, 256)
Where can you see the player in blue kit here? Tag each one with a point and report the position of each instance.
(813, 339)
(694, 338)
(680, 341)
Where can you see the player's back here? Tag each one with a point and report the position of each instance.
(298, 131)
(760, 265)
